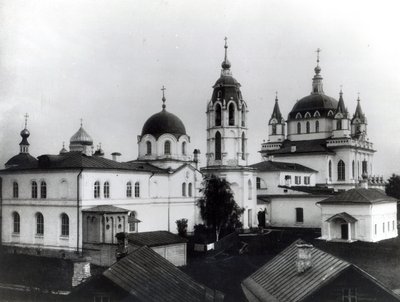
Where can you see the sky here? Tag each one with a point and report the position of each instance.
(106, 61)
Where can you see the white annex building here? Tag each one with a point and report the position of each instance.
(78, 199)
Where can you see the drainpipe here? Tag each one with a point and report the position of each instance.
(78, 177)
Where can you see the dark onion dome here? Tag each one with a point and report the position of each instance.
(81, 137)
(22, 160)
(312, 103)
(164, 122)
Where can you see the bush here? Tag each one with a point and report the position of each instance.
(181, 225)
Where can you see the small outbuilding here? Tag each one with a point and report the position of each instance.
(359, 214)
(170, 246)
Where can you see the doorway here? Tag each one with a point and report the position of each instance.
(345, 231)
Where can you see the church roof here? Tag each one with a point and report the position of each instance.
(312, 103)
(78, 160)
(164, 122)
(276, 113)
(359, 113)
(341, 108)
(301, 147)
(21, 160)
(274, 166)
(359, 196)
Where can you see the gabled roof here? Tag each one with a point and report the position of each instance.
(309, 146)
(155, 238)
(278, 280)
(359, 196)
(147, 276)
(346, 217)
(315, 190)
(276, 113)
(275, 166)
(105, 209)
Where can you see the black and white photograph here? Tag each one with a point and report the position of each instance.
(215, 150)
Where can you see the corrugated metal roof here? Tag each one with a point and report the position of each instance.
(361, 195)
(147, 276)
(155, 238)
(279, 277)
(105, 209)
(272, 166)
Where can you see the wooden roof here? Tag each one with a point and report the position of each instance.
(359, 196)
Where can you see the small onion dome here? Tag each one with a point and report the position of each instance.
(63, 150)
(25, 133)
(164, 122)
(226, 64)
(81, 137)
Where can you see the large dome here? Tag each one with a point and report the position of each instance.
(312, 103)
(164, 122)
(81, 137)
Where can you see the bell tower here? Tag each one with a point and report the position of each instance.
(226, 121)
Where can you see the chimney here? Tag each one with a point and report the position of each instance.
(81, 270)
(115, 156)
(304, 259)
(122, 248)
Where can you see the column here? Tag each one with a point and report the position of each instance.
(349, 234)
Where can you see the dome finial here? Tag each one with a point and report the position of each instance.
(317, 79)
(276, 96)
(81, 122)
(226, 64)
(163, 97)
(26, 119)
(358, 96)
(341, 91)
(318, 51)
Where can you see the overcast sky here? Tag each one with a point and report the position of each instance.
(106, 61)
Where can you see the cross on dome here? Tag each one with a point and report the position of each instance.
(163, 96)
(26, 119)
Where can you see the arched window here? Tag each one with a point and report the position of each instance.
(341, 170)
(317, 126)
(218, 115)
(106, 189)
(352, 169)
(330, 170)
(43, 190)
(339, 125)
(148, 148)
(308, 127)
(137, 189)
(298, 128)
(190, 189)
(219, 94)
(15, 189)
(16, 223)
(243, 146)
(243, 116)
(96, 189)
(34, 189)
(184, 189)
(273, 129)
(218, 146)
(39, 224)
(167, 148)
(249, 190)
(64, 225)
(231, 114)
(128, 189)
(184, 148)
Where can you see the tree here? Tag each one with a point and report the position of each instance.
(181, 225)
(218, 208)
(393, 186)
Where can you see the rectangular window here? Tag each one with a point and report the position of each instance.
(388, 226)
(376, 229)
(288, 180)
(258, 183)
(383, 227)
(299, 215)
(349, 295)
(393, 225)
(297, 180)
(306, 180)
